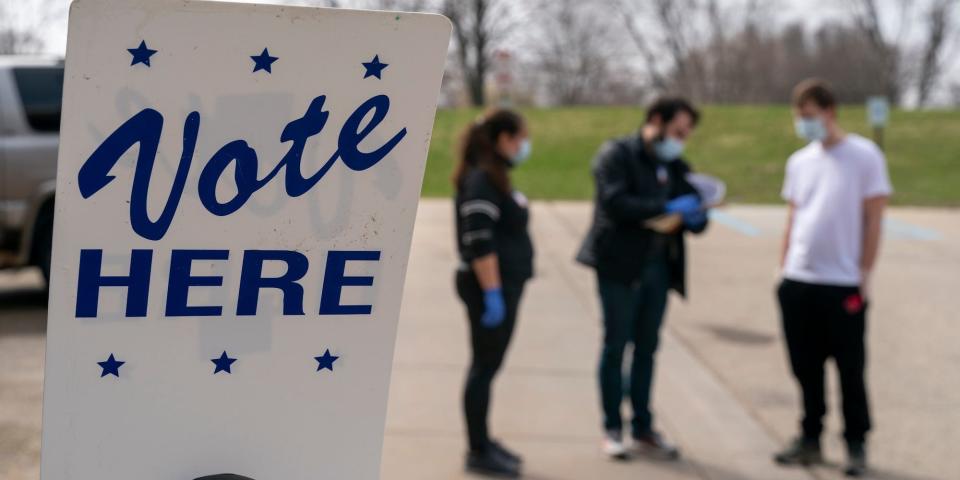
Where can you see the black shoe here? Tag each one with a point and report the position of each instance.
(653, 444)
(224, 476)
(800, 452)
(856, 461)
(491, 464)
(498, 449)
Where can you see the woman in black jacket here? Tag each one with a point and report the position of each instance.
(496, 260)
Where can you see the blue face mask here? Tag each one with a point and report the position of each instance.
(523, 154)
(810, 129)
(668, 149)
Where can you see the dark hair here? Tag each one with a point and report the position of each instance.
(668, 107)
(816, 91)
(478, 147)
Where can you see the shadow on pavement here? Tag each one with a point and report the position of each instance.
(835, 470)
(739, 335)
(712, 470)
(677, 468)
(884, 474)
(23, 311)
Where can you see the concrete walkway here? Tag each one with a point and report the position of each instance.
(546, 402)
(723, 389)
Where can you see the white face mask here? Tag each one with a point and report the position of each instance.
(668, 149)
(810, 129)
(523, 154)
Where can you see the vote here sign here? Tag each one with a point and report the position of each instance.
(236, 194)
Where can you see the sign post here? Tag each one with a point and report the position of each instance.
(236, 192)
(878, 114)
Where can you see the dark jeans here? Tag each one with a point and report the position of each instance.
(489, 346)
(631, 313)
(820, 322)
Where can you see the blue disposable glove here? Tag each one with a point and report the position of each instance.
(695, 221)
(686, 204)
(494, 308)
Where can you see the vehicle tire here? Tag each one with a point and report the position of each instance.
(43, 241)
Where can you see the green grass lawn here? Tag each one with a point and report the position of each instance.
(747, 146)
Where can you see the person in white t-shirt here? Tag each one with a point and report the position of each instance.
(836, 188)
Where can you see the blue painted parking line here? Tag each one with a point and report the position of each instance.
(901, 229)
(734, 223)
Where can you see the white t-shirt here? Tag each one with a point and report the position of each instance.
(827, 188)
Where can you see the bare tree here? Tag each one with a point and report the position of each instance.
(940, 26)
(573, 49)
(396, 5)
(736, 63)
(478, 26)
(644, 44)
(885, 47)
(400, 5)
(699, 48)
(20, 26)
(673, 29)
(13, 41)
(674, 18)
(954, 90)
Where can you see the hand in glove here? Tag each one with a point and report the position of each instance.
(696, 221)
(495, 309)
(685, 205)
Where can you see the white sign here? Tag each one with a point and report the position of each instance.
(878, 111)
(236, 195)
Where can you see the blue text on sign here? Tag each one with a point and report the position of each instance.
(91, 280)
(145, 127)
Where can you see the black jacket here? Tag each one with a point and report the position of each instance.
(633, 186)
(491, 221)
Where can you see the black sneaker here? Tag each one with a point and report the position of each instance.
(224, 476)
(491, 464)
(499, 449)
(856, 460)
(800, 452)
(653, 444)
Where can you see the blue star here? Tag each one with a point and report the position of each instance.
(223, 363)
(325, 361)
(374, 67)
(263, 61)
(110, 367)
(141, 54)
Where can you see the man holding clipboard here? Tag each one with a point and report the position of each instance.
(645, 202)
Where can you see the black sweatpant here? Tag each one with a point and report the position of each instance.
(489, 346)
(819, 322)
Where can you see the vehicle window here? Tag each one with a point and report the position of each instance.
(41, 91)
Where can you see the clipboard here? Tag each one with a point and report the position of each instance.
(711, 189)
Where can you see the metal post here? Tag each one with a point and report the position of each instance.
(878, 136)
(878, 114)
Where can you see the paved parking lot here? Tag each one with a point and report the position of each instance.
(723, 390)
